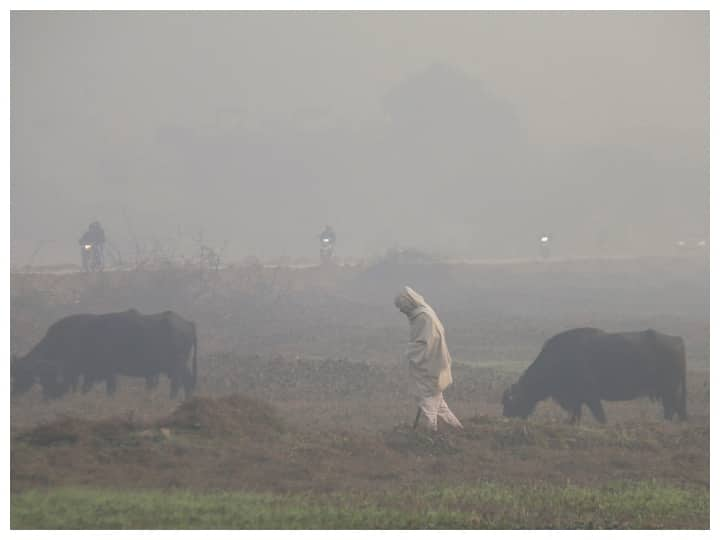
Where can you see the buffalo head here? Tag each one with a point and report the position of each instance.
(28, 371)
(22, 375)
(53, 389)
(516, 403)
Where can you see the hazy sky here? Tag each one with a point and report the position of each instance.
(467, 133)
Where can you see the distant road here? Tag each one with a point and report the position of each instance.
(69, 269)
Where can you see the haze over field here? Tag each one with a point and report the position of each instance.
(540, 180)
(459, 133)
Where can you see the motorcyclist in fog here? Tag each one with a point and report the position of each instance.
(94, 237)
(327, 243)
(328, 234)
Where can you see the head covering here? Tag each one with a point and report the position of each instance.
(412, 304)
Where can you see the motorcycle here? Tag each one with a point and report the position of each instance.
(545, 246)
(92, 259)
(327, 250)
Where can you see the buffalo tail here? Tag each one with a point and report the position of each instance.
(194, 365)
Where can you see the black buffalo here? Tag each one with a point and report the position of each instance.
(101, 347)
(587, 365)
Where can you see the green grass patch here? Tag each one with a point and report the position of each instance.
(645, 505)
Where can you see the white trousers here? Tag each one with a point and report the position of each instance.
(434, 407)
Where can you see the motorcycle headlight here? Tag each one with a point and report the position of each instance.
(326, 240)
(545, 239)
(87, 247)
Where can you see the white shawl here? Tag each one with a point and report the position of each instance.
(427, 353)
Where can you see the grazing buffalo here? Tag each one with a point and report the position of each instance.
(101, 347)
(587, 365)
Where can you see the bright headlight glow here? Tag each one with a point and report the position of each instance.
(545, 239)
(87, 247)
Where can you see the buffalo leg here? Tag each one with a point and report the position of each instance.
(682, 411)
(87, 384)
(575, 413)
(111, 385)
(174, 386)
(188, 383)
(152, 381)
(597, 410)
(681, 403)
(668, 407)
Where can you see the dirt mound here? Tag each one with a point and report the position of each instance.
(230, 414)
(215, 417)
(68, 430)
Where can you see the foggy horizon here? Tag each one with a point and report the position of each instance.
(465, 134)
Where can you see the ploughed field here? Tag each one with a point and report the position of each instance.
(302, 416)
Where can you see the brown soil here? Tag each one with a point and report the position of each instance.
(237, 442)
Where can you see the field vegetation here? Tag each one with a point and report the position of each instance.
(302, 417)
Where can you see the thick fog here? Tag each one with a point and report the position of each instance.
(464, 134)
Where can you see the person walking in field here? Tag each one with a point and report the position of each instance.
(428, 359)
